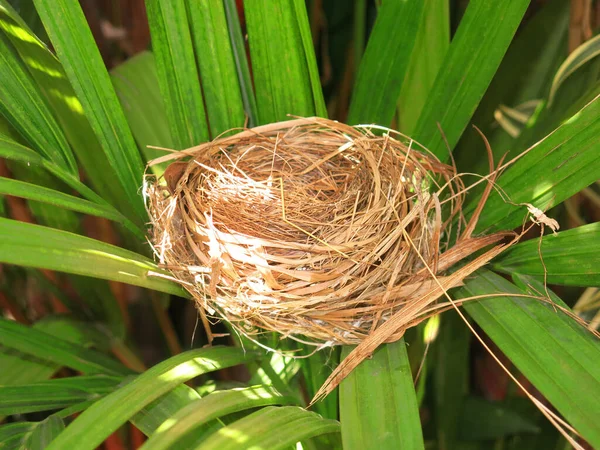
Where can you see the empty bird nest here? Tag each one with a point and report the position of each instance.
(325, 233)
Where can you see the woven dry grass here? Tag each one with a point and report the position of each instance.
(325, 233)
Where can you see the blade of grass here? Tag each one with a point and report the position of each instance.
(54, 394)
(571, 257)
(309, 54)
(431, 45)
(162, 409)
(238, 47)
(52, 81)
(14, 151)
(17, 368)
(93, 426)
(46, 347)
(557, 167)
(218, 73)
(279, 61)
(477, 48)
(68, 30)
(26, 10)
(270, 427)
(385, 62)
(378, 404)
(177, 73)
(195, 417)
(77, 331)
(537, 51)
(96, 292)
(46, 248)
(22, 104)
(30, 191)
(559, 356)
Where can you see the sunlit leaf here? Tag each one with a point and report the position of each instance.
(93, 426)
(238, 47)
(280, 68)
(271, 427)
(385, 63)
(22, 104)
(46, 248)
(162, 409)
(524, 75)
(54, 394)
(177, 73)
(52, 81)
(559, 356)
(570, 257)
(30, 191)
(46, 347)
(378, 404)
(481, 40)
(81, 60)
(432, 43)
(214, 54)
(554, 169)
(195, 416)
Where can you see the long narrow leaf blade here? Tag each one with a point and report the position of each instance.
(54, 394)
(385, 62)
(14, 151)
(378, 404)
(431, 45)
(311, 60)
(220, 82)
(279, 63)
(177, 73)
(559, 356)
(557, 167)
(156, 413)
(47, 248)
(80, 57)
(238, 47)
(271, 427)
(195, 416)
(46, 347)
(22, 104)
(477, 48)
(570, 257)
(94, 425)
(537, 51)
(30, 191)
(450, 377)
(52, 81)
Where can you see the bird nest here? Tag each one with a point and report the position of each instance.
(325, 233)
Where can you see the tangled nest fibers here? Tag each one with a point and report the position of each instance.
(325, 233)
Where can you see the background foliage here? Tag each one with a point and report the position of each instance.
(96, 352)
